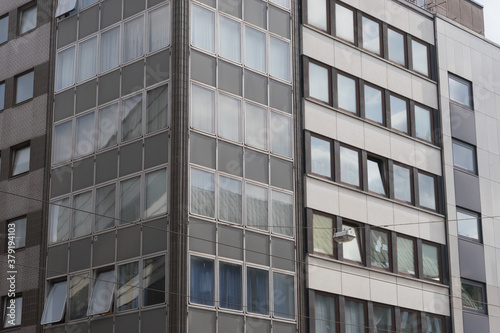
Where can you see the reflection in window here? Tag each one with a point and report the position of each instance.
(28, 20)
(284, 300)
(468, 224)
(84, 138)
(202, 193)
(202, 283)
(371, 35)
(473, 296)
(230, 201)
(380, 248)
(153, 281)
(156, 109)
(4, 29)
(319, 82)
(255, 49)
(427, 191)
(133, 39)
(20, 232)
(21, 157)
(55, 303)
(202, 109)
(321, 159)
(256, 126)
(354, 317)
(349, 166)
(423, 123)
(402, 183)
(316, 13)
(2, 95)
(282, 213)
(324, 312)
(344, 23)
(78, 296)
(159, 28)
(376, 176)
(257, 209)
(257, 291)
(59, 221)
(203, 28)
(102, 294)
(382, 317)
(63, 137)
(108, 126)
(434, 324)
(464, 156)
(409, 322)
(406, 255)
(127, 288)
(229, 39)
(353, 250)
(87, 59)
(396, 43)
(82, 214)
(156, 193)
(323, 234)
(281, 134)
(18, 310)
(373, 104)
(110, 49)
(65, 68)
(347, 93)
(230, 286)
(420, 57)
(229, 118)
(105, 207)
(130, 200)
(282, 3)
(24, 87)
(430, 261)
(460, 91)
(399, 114)
(132, 117)
(279, 58)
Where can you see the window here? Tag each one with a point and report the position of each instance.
(84, 138)
(153, 281)
(55, 303)
(202, 193)
(344, 23)
(19, 228)
(78, 296)
(473, 296)
(257, 207)
(406, 255)
(279, 58)
(27, 19)
(431, 263)
(374, 106)
(102, 294)
(257, 291)
(12, 311)
(256, 126)
(371, 35)
(319, 82)
(203, 109)
(108, 126)
(230, 118)
(105, 207)
(132, 117)
(282, 213)
(159, 28)
(86, 3)
(110, 49)
(317, 13)
(282, 3)
(376, 175)
(2, 96)
(402, 183)
(380, 248)
(409, 322)
(427, 191)
(325, 313)
(321, 157)
(464, 156)
(283, 296)
(130, 200)
(4, 28)
(383, 318)
(63, 138)
(202, 281)
(24, 87)
(66, 7)
(281, 134)
(229, 39)
(468, 224)
(59, 221)
(20, 160)
(420, 57)
(354, 249)
(156, 193)
(423, 123)
(323, 234)
(434, 324)
(460, 91)
(230, 286)
(397, 46)
(399, 113)
(203, 28)
(255, 49)
(349, 166)
(127, 288)
(230, 200)
(133, 39)
(355, 317)
(82, 214)
(87, 59)
(157, 108)
(347, 93)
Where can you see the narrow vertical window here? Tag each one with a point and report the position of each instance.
(130, 200)
(399, 113)
(159, 28)
(255, 49)
(133, 39)
(59, 221)
(84, 140)
(323, 234)
(317, 13)
(256, 126)
(374, 109)
(20, 232)
(65, 68)
(2, 96)
(4, 28)
(105, 207)
(202, 109)
(230, 200)
(127, 288)
(24, 86)
(78, 296)
(132, 117)
(420, 57)
(396, 44)
(284, 295)
(406, 255)
(319, 82)
(279, 58)
(402, 183)
(229, 39)
(427, 191)
(349, 166)
(202, 283)
(202, 193)
(257, 207)
(257, 291)
(468, 224)
(430, 261)
(423, 123)
(344, 23)
(82, 214)
(87, 59)
(55, 304)
(281, 134)
(353, 250)
(354, 317)
(347, 93)
(63, 137)
(102, 294)
(380, 249)
(325, 314)
(153, 281)
(230, 286)
(282, 213)
(230, 118)
(321, 157)
(110, 49)
(21, 160)
(27, 20)
(203, 28)
(156, 193)
(108, 126)
(376, 176)
(156, 109)
(371, 35)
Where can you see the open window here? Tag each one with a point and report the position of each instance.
(354, 250)
(376, 171)
(102, 294)
(55, 304)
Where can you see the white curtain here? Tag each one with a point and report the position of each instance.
(354, 317)
(110, 49)
(156, 193)
(202, 109)
(279, 55)
(87, 59)
(65, 68)
(202, 193)
(255, 49)
(159, 28)
(325, 314)
(102, 294)
(203, 29)
(229, 39)
(133, 39)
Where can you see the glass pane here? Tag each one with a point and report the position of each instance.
(284, 299)
(321, 159)
(380, 248)
(460, 92)
(406, 256)
(420, 57)
(427, 191)
(130, 200)
(402, 183)
(396, 43)
(202, 281)
(430, 261)
(256, 126)
(54, 306)
(202, 109)
(127, 292)
(2, 96)
(4, 29)
(78, 296)
(87, 59)
(28, 20)
(256, 200)
(108, 126)
(349, 166)
(153, 281)
(230, 200)
(279, 58)
(84, 143)
(202, 193)
(323, 234)
(316, 13)
(373, 104)
(319, 85)
(157, 106)
(24, 88)
(230, 118)
(19, 227)
(399, 114)
(59, 221)
(344, 23)
(86, 3)
(21, 161)
(156, 193)
(376, 177)
(133, 39)
(472, 296)
(371, 35)
(423, 123)
(105, 207)
(230, 286)
(283, 3)
(257, 291)
(102, 295)
(434, 324)
(65, 68)
(464, 157)
(229, 39)
(282, 218)
(159, 28)
(255, 49)
(63, 134)
(409, 322)
(82, 214)
(203, 28)
(16, 305)
(110, 49)
(382, 317)
(353, 249)
(354, 317)
(281, 134)
(324, 312)
(132, 117)
(347, 96)
(468, 224)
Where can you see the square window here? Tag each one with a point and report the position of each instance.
(202, 283)
(468, 224)
(354, 249)
(347, 93)
(55, 303)
(323, 226)
(321, 157)
(230, 286)
(4, 28)
(27, 19)
(399, 113)
(325, 313)
(102, 294)
(377, 180)
(406, 255)
(427, 191)
(397, 46)
(344, 23)
(24, 87)
(402, 183)
(12, 311)
(410, 321)
(371, 35)
(380, 248)
(420, 57)
(20, 160)
(349, 166)
(374, 105)
(464, 156)
(474, 296)
(460, 90)
(317, 13)
(17, 228)
(127, 292)
(431, 262)
(319, 82)
(355, 317)
(257, 291)
(2, 96)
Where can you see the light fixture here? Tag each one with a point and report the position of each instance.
(344, 236)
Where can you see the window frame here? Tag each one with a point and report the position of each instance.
(2, 106)
(360, 166)
(361, 242)
(383, 171)
(479, 239)
(392, 311)
(53, 283)
(380, 35)
(13, 221)
(16, 78)
(484, 300)
(414, 122)
(470, 89)
(96, 274)
(2, 17)
(366, 317)
(328, 16)
(412, 39)
(336, 92)
(411, 311)
(333, 27)
(409, 121)
(441, 318)
(436, 201)
(20, 13)
(473, 151)
(415, 256)
(13, 151)
(4, 320)
(337, 309)
(405, 46)
(412, 185)
(334, 228)
(332, 157)
(439, 257)
(389, 250)
(383, 104)
(330, 80)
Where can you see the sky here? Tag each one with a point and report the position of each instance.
(491, 19)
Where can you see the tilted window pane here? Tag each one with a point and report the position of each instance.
(402, 183)
(430, 261)
(316, 13)
(230, 286)
(464, 156)
(382, 317)
(344, 23)
(282, 210)
(87, 59)
(347, 93)
(354, 317)
(255, 49)
(319, 85)
(279, 58)
(202, 193)
(230, 118)
(284, 298)
(86, 3)
(156, 193)
(230, 39)
(257, 291)
(420, 57)
(28, 20)
(281, 134)
(54, 306)
(85, 132)
(283, 3)
(427, 191)
(157, 106)
(108, 126)
(460, 91)
(21, 161)
(202, 109)
(256, 126)
(2, 96)
(380, 248)
(409, 322)
(153, 281)
(399, 114)
(65, 68)
(230, 201)
(349, 166)
(127, 289)
(373, 104)
(321, 159)
(132, 117)
(110, 49)
(376, 176)
(468, 224)
(353, 250)
(63, 138)
(17, 308)
(19, 233)
(4, 29)
(159, 28)
(371, 35)
(102, 294)
(59, 221)
(203, 28)
(323, 234)
(133, 39)
(24, 87)
(105, 207)
(423, 123)
(82, 221)
(256, 200)
(396, 43)
(434, 324)
(473, 296)
(406, 255)
(130, 200)
(78, 296)
(324, 312)
(202, 283)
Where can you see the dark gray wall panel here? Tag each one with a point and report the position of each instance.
(202, 150)
(156, 150)
(86, 96)
(463, 124)
(256, 325)
(230, 242)
(60, 181)
(279, 22)
(82, 327)
(471, 260)
(255, 87)
(230, 158)
(89, 22)
(111, 12)
(476, 323)
(109, 87)
(64, 105)
(83, 174)
(128, 242)
(104, 249)
(202, 236)
(157, 67)
(106, 166)
(154, 236)
(79, 254)
(256, 13)
(57, 260)
(128, 323)
(257, 248)
(203, 68)
(467, 193)
(201, 321)
(283, 328)
(232, 7)
(230, 78)
(230, 324)
(101, 326)
(130, 158)
(280, 96)
(281, 173)
(131, 7)
(133, 77)
(152, 3)
(66, 31)
(283, 252)
(154, 320)
(256, 166)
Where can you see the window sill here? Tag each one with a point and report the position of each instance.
(18, 175)
(22, 102)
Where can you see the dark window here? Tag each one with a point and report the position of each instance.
(464, 156)
(474, 296)
(380, 248)
(406, 255)
(321, 156)
(153, 281)
(349, 166)
(284, 298)
(377, 180)
(257, 291)
(2, 96)
(127, 288)
(230, 286)
(202, 281)
(24, 87)
(468, 224)
(78, 296)
(12, 311)
(4, 28)
(431, 261)
(460, 91)
(323, 226)
(20, 160)
(27, 19)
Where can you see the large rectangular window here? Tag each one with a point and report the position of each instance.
(255, 49)
(317, 13)
(14, 304)
(203, 28)
(383, 318)
(2, 95)
(423, 123)
(431, 263)
(102, 294)
(380, 248)
(153, 281)
(256, 126)
(133, 38)
(282, 213)
(55, 303)
(279, 58)
(24, 87)
(427, 191)
(464, 156)
(460, 91)
(63, 142)
(325, 314)
(78, 296)
(59, 221)
(257, 291)
(230, 118)
(202, 283)
(319, 82)
(127, 288)
(281, 134)
(105, 207)
(474, 296)
(321, 157)
(347, 93)
(82, 214)
(468, 224)
(108, 126)
(323, 234)
(420, 57)
(156, 193)
(85, 134)
(20, 160)
(132, 117)
(202, 193)
(355, 318)
(349, 166)
(203, 108)
(230, 286)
